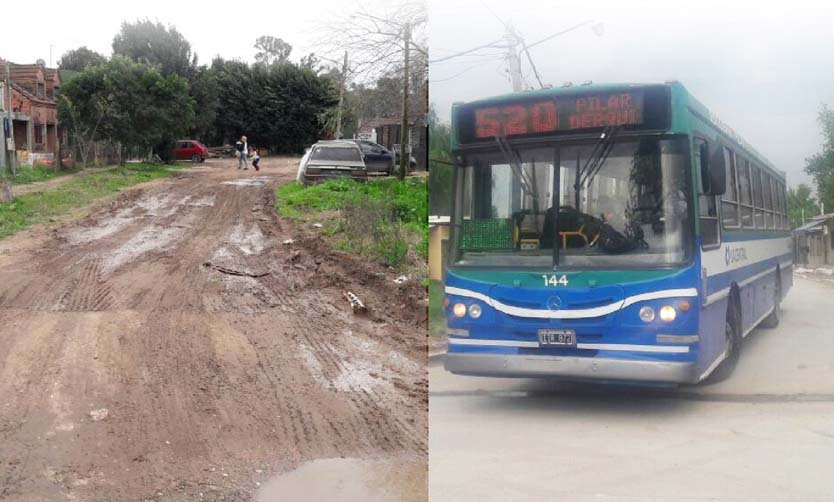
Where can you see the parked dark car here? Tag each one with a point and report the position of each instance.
(412, 162)
(378, 159)
(189, 149)
(333, 159)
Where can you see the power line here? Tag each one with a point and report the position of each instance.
(589, 21)
(490, 45)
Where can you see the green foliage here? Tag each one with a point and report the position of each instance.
(130, 104)
(440, 170)
(277, 107)
(821, 166)
(40, 207)
(800, 199)
(383, 219)
(27, 175)
(437, 322)
(154, 44)
(80, 58)
(272, 50)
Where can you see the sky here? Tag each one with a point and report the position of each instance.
(765, 68)
(227, 29)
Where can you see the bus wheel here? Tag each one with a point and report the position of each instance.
(772, 320)
(732, 333)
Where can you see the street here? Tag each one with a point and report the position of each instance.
(767, 433)
(184, 342)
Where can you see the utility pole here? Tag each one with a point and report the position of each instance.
(513, 61)
(341, 98)
(9, 146)
(405, 156)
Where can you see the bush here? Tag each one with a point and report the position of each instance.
(383, 219)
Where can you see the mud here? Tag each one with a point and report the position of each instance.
(355, 480)
(131, 370)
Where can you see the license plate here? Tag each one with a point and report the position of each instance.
(557, 338)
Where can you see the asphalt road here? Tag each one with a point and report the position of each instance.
(767, 433)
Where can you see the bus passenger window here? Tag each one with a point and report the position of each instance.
(745, 199)
(729, 201)
(757, 196)
(708, 208)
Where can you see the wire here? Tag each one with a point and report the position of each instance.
(589, 21)
(489, 45)
(458, 74)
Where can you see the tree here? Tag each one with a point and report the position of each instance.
(440, 166)
(279, 107)
(800, 202)
(130, 104)
(80, 58)
(153, 43)
(380, 43)
(821, 166)
(272, 50)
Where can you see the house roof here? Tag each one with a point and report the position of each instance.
(815, 224)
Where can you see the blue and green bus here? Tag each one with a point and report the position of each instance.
(656, 246)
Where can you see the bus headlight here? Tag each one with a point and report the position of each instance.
(646, 314)
(667, 313)
(459, 310)
(474, 311)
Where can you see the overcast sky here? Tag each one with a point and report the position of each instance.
(228, 29)
(764, 69)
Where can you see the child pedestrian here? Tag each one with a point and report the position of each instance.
(255, 159)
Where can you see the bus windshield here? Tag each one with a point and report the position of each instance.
(613, 203)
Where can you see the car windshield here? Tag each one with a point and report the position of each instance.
(336, 153)
(611, 204)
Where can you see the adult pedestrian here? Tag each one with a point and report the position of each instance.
(243, 149)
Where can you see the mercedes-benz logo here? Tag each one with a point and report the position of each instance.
(554, 303)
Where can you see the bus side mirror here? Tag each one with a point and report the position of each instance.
(713, 170)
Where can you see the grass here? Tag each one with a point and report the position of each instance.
(41, 207)
(437, 321)
(384, 219)
(27, 175)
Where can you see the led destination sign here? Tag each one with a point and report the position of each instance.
(638, 108)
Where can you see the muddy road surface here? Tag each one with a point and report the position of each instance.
(171, 346)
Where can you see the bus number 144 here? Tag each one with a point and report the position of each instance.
(552, 280)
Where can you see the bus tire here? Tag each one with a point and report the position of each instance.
(732, 332)
(772, 320)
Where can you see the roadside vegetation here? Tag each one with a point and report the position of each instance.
(41, 207)
(27, 175)
(437, 321)
(385, 220)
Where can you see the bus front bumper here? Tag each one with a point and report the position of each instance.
(580, 368)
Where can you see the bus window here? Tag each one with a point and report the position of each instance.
(745, 199)
(756, 186)
(507, 203)
(629, 206)
(708, 210)
(767, 196)
(782, 207)
(729, 201)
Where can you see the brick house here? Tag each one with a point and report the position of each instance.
(34, 111)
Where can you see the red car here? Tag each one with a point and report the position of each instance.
(189, 149)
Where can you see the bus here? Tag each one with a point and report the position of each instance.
(656, 246)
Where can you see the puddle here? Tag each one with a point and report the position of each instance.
(350, 480)
(257, 181)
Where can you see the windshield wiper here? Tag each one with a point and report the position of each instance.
(599, 154)
(527, 186)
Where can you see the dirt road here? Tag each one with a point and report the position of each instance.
(169, 346)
